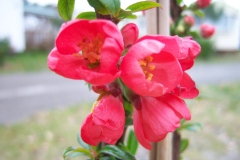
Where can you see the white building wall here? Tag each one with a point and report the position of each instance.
(12, 23)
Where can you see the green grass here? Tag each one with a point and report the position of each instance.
(25, 62)
(47, 134)
(218, 111)
(44, 136)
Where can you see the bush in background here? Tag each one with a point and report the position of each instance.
(208, 49)
(4, 50)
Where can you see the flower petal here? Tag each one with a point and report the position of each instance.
(187, 88)
(130, 34)
(67, 66)
(90, 132)
(138, 129)
(176, 104)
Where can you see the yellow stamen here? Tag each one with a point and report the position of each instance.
(146, 67)
(91, 49)
(94, 105)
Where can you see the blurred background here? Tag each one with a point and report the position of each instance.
(41, 112)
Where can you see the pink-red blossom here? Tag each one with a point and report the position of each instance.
(189, 20)
(105, 123)
(87, 50)
(203, 3)
(207, 30)
(148, 71)
(155, 117)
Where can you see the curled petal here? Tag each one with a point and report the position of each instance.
(130, 34)
(186, 88)
(138, 129)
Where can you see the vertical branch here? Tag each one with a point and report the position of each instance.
(176, 10)
(176, 145)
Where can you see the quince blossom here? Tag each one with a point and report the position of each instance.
(87, 50)
(207, 30)
(148, 71)
(203, 3)
(105, 123)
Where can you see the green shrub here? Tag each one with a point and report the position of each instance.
(4, 49)
(208, 49)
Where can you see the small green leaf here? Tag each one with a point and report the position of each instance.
(144, 5)
(71, 152)
(117, 152)
(190, 127)
(194, 34)
(112, 6)
(65, 9)
(199, 13)
(99, 7)
(107, 158)
(67, 151)
(126, 14)
(132, 143)
(82, 143)
(179, 1)
(128, 121)
(183, 145)
(87, 15)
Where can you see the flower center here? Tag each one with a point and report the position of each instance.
(147, 67)
(91, 49)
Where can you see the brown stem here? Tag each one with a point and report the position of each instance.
(176, 10)
(176, 145)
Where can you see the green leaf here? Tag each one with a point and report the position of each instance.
(87, 15)
(67, 151)
(113, 6)
(199, 13)
(82, 143)
(179, 1)
(183, 145)
(194, 34)
(128, 121)
(107, 158)
(65, 9)
(117, 152)
(132, 143)
(190, 127)
(99, 7)
(126, 14)
(144, 5)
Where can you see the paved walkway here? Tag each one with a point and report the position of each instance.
(24, 94)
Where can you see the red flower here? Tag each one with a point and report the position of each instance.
(203, 3)
(105, 123)
(130, 34)
(189, 20)
(154, 118)
(148, 71)
(88, 50)
(207, 30)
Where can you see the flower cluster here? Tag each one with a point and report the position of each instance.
(149, 73)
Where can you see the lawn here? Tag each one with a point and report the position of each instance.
(47, 134)
(25, 62)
